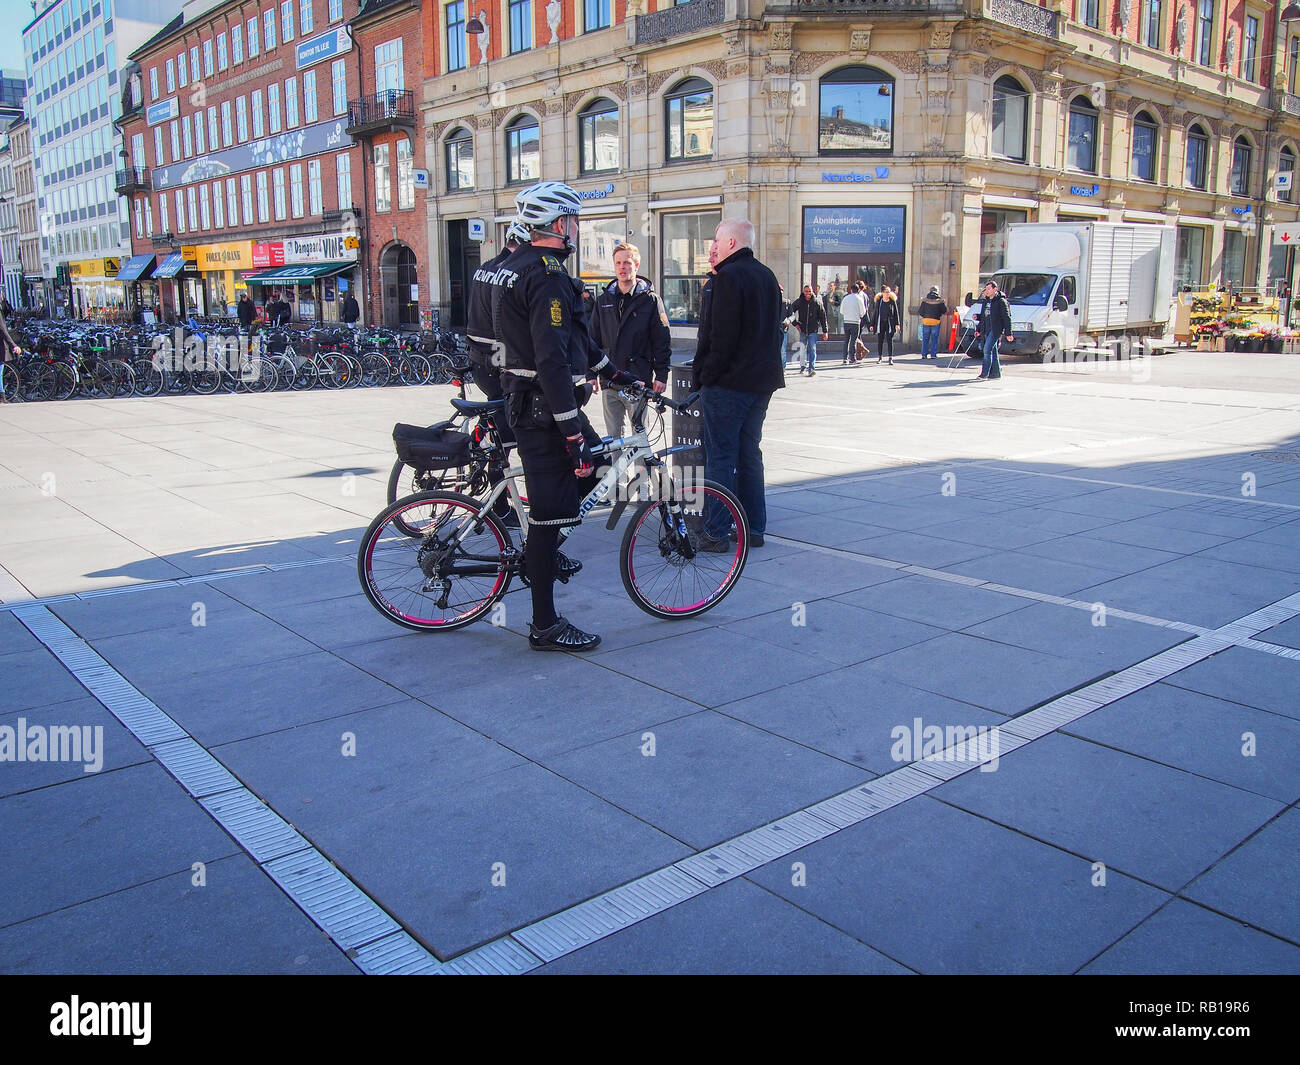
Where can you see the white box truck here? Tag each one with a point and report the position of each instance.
(1077, 285)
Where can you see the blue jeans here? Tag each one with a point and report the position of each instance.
(731, 424)
(810, 356)
(929, 341)
(992, 368)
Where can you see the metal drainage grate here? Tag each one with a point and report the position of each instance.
(1277, 456)
(1001, 412)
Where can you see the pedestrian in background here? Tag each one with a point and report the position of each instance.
(887, 322)
(932, 311)
(995, 323)
(630, 324)
(736, 370)
(852, 307)
(810, 317)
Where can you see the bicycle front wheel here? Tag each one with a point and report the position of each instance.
(662, 567)
(446, 578)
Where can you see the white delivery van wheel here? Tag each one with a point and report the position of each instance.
(1050, 351)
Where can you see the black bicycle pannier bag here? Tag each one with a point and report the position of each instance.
(439, 447)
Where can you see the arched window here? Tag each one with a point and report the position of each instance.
(460, 160)
(1010, 118)
(689, 113)
(523, 150)
(598, 136)
(405, 174)
(1286, 165)
(1145, 133)
(856, 112)
(1198, 152)
(1242, 153)
(1081, 148)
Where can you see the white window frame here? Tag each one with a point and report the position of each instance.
(343, 180)
(246, 194)
(259, 120)
(205, 207)
(278, 197)
(286, 20)
(222, 56)
(227, 129)
(236, 44)
(290, 101)
(315, 192)
(218, 207)
(268, 29)
(207, 58)
(251, 26)
(241, 118)
(309, 113)
(296, 205)
(306, 19)
(339, 85)
(273, 106)
(263, 198)
(232, 202)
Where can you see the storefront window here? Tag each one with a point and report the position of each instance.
(1234, 257)
(857, 111)
(596, 240)
(685, 241)
(993, 238)
(1189, 263)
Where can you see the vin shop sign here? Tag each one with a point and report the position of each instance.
(853, 230)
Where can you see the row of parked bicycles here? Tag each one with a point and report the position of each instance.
(59, 361)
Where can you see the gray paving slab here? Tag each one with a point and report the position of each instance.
(73, 739)
(809, 575)
(737, 928)
(932, 602)
(675, 788)
(1195, 589)
(1259, 881)
(14, 637)
(1060, 522)
(987, 673)
(1252, 551)
(984, 534)
(1187, 940)
(147, 609)
(917, 549)
(269, 696)
(332, 772)
(1234, 744)
(237, 922)
(1070, 632)
(97, 835)
(713, 666)
(35, 678)
(1198, 520)
(1147, 820)
(416, 662)
(305, 584)
(1052, 576)
(228, 640)
(1099, 554)
(1143, 532)
(560, 703)
(852, 714)
(430, 862)
(942, 891)
(835, 631)
(900, 517)
(1242, 676)
(1287, 634)
(1120, 504)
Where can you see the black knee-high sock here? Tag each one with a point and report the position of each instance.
(539, 557)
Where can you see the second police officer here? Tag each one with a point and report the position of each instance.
(546, 363)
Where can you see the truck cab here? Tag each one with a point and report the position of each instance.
(1044, 312)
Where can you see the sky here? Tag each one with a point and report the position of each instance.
(14, 15)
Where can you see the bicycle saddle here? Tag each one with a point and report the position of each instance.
(472, 408)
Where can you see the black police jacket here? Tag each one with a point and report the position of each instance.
(478, 309)
(638, 342)
(739, 344)
(543, 331)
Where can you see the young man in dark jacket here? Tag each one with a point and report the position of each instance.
(629, 323)
(810, 316)
(995, 323)
(737, 368)
(932, 311)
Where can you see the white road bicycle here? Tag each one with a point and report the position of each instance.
(464, 558)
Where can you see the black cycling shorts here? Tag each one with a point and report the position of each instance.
(553, 490)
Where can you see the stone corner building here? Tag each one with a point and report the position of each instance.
(889, 140)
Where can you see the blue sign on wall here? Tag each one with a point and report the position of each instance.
(282, 148)
(162, 111)
(326, 46)
(853, 230)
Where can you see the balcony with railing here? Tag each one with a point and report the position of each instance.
(858, 8)
(384, 112)
(133, 179)
(1286, 102)
(679, 20)
(1018, 15)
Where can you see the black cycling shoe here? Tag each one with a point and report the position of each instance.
(562, 636)
(566, 567)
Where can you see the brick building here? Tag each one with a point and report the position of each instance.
(238, 168)
(385, 122)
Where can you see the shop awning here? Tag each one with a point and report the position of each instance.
(173, 265)
(299, 274)
(136, 267)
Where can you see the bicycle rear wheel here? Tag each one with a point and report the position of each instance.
(148, 377)
(662, 569)
(434, 582)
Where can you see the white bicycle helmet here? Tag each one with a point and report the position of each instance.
(518, 234)
(541, 204)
